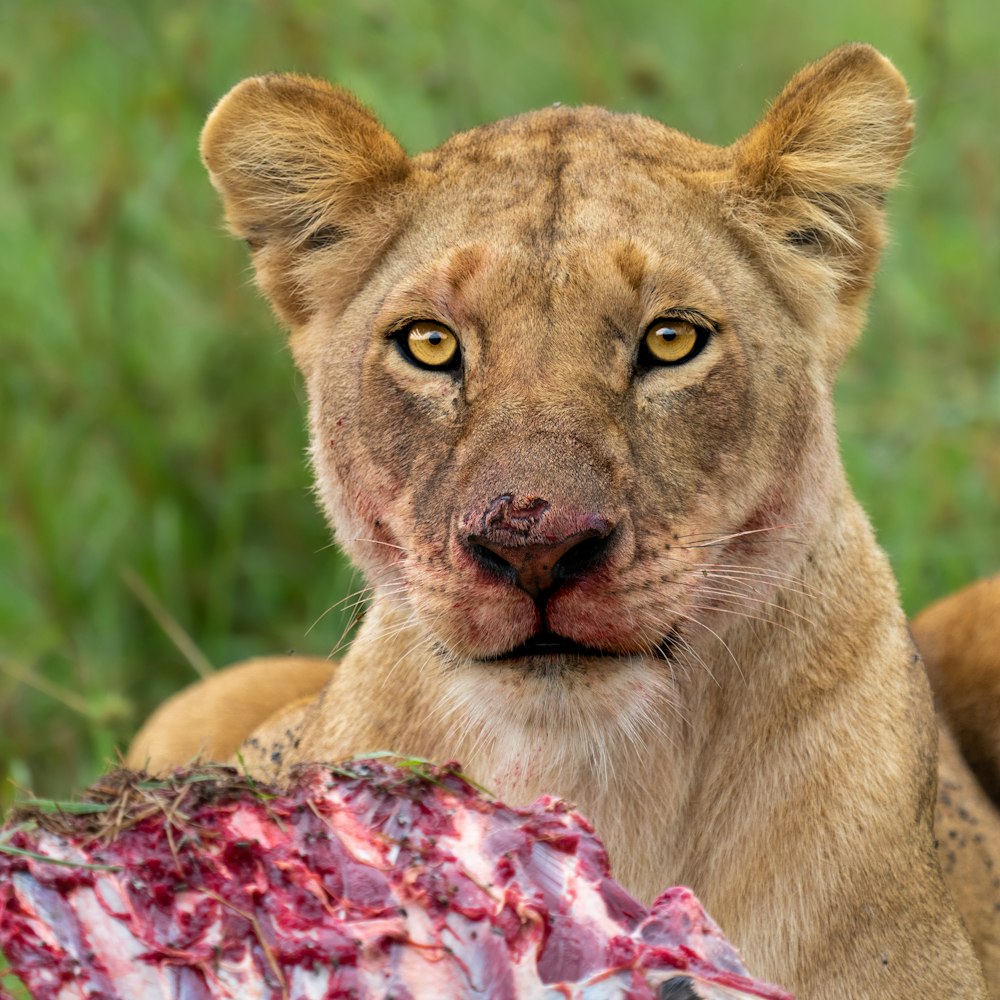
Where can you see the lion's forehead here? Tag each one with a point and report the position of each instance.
(547, 138)
(563, 172)
(567, 223)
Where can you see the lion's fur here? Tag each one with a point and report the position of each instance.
(764, 731)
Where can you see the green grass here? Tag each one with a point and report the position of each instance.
(153, 423)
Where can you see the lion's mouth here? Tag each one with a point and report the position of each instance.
(550, 644)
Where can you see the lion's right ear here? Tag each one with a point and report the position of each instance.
(809, 181)
(302, 167)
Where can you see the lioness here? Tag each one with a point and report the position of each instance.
(570, 381)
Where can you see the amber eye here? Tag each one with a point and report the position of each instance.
(429, 345)
(672, 341)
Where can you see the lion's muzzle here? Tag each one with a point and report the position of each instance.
(536, 545)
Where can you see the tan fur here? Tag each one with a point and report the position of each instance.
(743, 710)
(960, 641)
(210, 720)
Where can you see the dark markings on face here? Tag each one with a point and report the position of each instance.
(612, 328)
(632, 264)
(721, 406)
(402, 431)
(434, 497)
(556, 197)
(693, 429)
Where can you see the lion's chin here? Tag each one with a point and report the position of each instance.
(559, 694)
(533, 724)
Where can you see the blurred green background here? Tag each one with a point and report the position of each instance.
(153, 485)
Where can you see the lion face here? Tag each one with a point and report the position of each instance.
(569, 374)
(539, 490)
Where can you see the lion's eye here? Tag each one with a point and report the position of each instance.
(672, 341)
(429, 345)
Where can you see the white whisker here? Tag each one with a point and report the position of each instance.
(742, 614)
(785, 580)
(725, 645)
(723, 539)
(378, 541)
(742, 596)
(754, 585)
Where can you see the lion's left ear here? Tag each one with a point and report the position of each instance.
(302, 166)
(809, 181)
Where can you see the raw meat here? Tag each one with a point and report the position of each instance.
(379, 878)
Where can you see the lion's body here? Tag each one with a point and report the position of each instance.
(642, 586)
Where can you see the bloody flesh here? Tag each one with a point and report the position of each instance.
(372, 879)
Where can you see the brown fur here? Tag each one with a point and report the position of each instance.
(751, 718)
(219, 713)
(960, 641)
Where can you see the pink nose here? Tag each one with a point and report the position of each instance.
(524, 540)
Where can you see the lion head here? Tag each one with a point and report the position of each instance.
(570, 373)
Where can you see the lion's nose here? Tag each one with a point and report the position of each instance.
(536, 547)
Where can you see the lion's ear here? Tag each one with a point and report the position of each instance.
(810, 179)
(301, 166)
